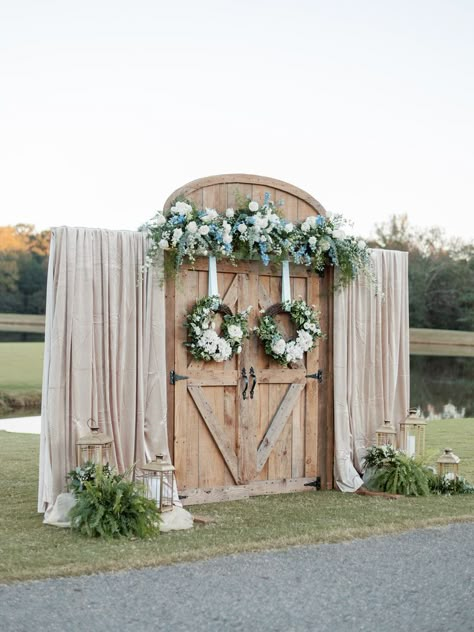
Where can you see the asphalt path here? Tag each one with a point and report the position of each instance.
(416, 581)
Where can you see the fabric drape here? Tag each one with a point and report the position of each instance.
(371, 361)
(104, 352)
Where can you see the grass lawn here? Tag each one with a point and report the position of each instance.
(21, 366)
(21, 372)
(29, 549)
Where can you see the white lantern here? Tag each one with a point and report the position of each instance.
(94, 446)
(448, 464)
(412, 434)
(386, 435)
(158, 479)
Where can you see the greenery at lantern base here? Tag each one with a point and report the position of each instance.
(110, 505)
(394, 472)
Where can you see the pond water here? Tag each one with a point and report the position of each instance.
(442, 387)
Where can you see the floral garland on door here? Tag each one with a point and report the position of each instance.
(307, 334)
(254, 231)
(204, 343)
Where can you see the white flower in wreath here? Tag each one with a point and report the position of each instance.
(160, 219)
(339, 234)
(261, 222)
(226, 238)
(305, 227)
(312, 241)
(279, 347)
(163, 244)
(192, 227)
(253, 206)
(304, 340)
(293, 351)
(361, 244)
(230, 213)
(226, 226)
(223, 352)
(242, 228)
(235, 332)
(289, 227)
(203, 230)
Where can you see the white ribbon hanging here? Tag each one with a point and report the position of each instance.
(285, 282)
(212, 287)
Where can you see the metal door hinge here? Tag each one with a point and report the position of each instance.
(317, 376)
(316, 484)
(174, 377)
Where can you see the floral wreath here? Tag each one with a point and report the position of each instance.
(308, 331)
(204, 343)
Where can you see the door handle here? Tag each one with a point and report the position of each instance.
(246, 382)
(254, 383)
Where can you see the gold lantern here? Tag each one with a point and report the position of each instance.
(386, 435)
(448, 464)
(158, 478)
(94, 446)
(412, 434)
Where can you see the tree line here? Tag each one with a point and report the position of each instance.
(23, 269)
(441, 272)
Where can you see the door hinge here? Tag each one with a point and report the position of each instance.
(175, 377)
(316, 484)
(317, 376)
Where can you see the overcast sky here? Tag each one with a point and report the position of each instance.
(106, 107)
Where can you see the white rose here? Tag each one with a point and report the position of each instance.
(305, 227)
(226, 226)
(339, 234)
(230, 212)
(210, 215)
(242, 228)
(182, 208)
(160, 219)
(253, 206)
(263, 239)
(226, 238)
(279, 346)
(312, 241)
(235, 331)
(177, 233)
(324, 245)
(289, 227)
(203, 230)
(192, 227)
(163, 244)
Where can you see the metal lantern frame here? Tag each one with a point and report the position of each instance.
(386, 434)
(94, 446)
(412, 434)
(448, 464)
(159, 482)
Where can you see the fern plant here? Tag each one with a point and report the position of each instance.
(111, 506)
(393, 472)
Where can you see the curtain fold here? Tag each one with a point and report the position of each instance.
(104, 352)
(371, 362)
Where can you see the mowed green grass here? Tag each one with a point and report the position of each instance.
(21, 366)
(457, 434)
(29, 549)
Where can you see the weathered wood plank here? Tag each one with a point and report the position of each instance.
(241, 492)
(277, 424)
(214, 427)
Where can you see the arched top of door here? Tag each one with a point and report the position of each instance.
(220, 192)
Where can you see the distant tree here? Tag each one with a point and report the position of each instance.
(441, 274)
(23, 269)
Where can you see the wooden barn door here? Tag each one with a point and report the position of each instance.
(247, 426)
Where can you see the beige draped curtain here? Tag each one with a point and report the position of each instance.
(371, 362)
(104, 352)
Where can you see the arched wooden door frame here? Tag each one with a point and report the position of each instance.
(219, 192)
